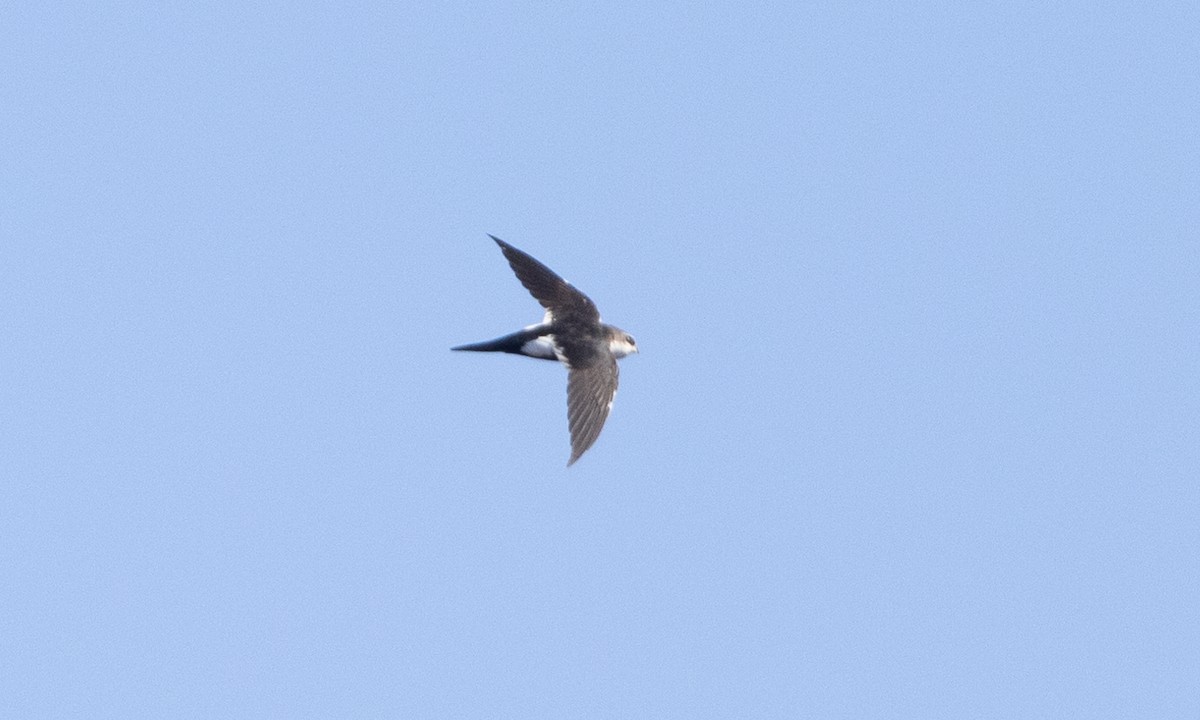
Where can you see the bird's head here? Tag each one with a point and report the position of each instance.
(621, 343)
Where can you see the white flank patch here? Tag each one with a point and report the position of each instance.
(542, 347)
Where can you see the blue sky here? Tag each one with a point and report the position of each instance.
(913, 431)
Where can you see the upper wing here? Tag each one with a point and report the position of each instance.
(555, 294)
(590, 393)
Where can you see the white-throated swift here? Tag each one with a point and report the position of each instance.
(572, 333)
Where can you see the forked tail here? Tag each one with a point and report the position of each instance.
(508, 343)
(527, 342)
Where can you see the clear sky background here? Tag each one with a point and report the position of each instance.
(913, 431)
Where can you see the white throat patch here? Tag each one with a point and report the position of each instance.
(621, 348)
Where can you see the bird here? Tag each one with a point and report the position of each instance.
(571, 333)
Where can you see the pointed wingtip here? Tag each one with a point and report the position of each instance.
(499, 242)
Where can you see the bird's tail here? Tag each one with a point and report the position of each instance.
(509, 344)
(517, 343)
